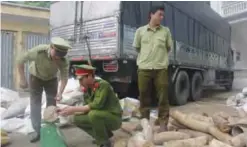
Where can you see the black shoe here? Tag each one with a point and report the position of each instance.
(34, 137)
(107, 144)
(94, 142)
(110, 134)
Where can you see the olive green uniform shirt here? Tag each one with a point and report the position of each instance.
(41, 64)
(103, 98)
(152, 46)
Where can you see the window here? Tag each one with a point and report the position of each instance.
(228, 3)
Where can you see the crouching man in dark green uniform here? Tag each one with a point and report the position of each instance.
(102, 113)
(45, 61)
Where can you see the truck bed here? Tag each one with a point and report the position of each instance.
(201, 37)
(102, 33)
(90, 19)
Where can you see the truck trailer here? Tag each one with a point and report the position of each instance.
(103, 32)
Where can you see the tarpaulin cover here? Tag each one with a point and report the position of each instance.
(193, 23)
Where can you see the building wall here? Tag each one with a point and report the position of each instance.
(216, 6)
(239, 42)
(26, 11)
(11, 22)
(228, 9)
(6, 59)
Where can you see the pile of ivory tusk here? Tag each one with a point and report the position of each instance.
(186, 130)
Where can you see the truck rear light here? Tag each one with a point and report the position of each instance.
(97, 57)
(77, 59)
(110, 66)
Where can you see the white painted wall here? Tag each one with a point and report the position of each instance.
(216, 6)
(239, 36)
(239, 42)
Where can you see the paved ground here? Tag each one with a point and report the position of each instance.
(74, 138)
(212, 101)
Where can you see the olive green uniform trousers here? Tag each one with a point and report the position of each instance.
(99, 124)
(158, 78)
(36, 89)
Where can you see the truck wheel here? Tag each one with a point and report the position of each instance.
(181, 88)
(196, 86)
(228, 87)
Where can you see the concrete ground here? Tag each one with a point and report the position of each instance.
(74, 138)
(212, 101)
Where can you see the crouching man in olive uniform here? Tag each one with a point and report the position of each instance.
(45, 61)
(102, 112)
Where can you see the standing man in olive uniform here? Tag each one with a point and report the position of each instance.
(45, 61)
(153, 43)
(102, 112)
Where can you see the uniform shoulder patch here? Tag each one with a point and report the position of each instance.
(42, 48)
(165, 28)
(104, 82)
(142, 30)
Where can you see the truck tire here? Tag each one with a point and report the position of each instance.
(228, 87)
(196, 86)
(181, 88)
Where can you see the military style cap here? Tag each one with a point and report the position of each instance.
(84, 69)
(61, 46)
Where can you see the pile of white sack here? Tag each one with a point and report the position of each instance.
(15, 111)
(239, 102)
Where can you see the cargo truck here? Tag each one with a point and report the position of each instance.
(103, 31)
